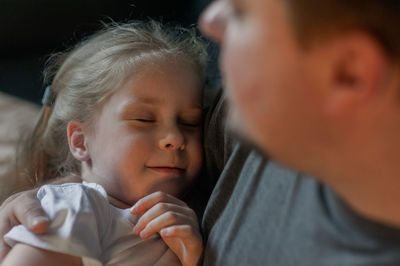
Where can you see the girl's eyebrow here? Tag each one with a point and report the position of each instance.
(153, 101)
(137, 100)
(147, 100)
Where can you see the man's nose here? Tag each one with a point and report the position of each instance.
(212, 21)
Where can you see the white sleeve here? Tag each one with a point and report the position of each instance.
(80, 215)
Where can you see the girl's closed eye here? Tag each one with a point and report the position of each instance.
(191, 123)
(138, 116)
(144, 120)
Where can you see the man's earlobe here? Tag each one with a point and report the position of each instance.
(77, 140)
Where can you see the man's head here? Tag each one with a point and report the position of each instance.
(379, 18)
(310, 81)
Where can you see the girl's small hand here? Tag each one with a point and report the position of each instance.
(174, 221)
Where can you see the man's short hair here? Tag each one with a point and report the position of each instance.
(313, 19)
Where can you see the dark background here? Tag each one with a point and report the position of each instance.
(30, 30)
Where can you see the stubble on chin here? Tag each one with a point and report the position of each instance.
(234, 121)
(236, 124)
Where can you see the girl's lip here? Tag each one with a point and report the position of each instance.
(167, 169)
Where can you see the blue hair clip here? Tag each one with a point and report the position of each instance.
(47, 96)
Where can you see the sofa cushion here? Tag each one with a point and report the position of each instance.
(16, 117)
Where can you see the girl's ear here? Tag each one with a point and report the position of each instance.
(77, 140)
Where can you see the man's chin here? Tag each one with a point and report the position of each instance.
(238, 126)
(235, 123)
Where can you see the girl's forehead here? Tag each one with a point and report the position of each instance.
(155, 83)
(152, 65)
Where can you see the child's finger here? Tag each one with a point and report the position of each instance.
(182, 231)
(145, 203)
(184, 241)
(159, 209)
(164, 220)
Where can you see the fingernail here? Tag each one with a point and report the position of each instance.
(39, 224)
(133, 209)
(143, 234)
(165, 232)
(135, 230)
(39, 220)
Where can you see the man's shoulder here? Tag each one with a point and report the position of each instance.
(272, 215)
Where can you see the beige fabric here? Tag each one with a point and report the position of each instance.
(16, 116)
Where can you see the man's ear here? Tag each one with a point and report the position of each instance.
(358, 69)
(77, 140)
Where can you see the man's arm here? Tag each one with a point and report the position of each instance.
(22, 254)
(24, 208)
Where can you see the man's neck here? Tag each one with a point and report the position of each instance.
(372, 188)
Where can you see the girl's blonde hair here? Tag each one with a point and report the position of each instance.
(83, 77)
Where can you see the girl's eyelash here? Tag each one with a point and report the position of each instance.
(145, 120)
(190, 124)
(181, 122)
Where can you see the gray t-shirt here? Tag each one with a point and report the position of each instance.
(261, 213)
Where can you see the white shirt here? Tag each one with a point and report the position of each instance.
(85, 224)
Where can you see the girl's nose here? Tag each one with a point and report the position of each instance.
(212, 21)
(172, 139)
